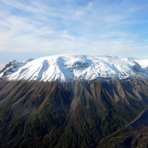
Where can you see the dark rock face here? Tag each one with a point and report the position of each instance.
(75, 114)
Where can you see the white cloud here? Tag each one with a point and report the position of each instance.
(65, 26)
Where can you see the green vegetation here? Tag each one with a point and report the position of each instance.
(42, 115)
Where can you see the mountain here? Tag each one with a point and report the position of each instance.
(67, 68)
(75, 101)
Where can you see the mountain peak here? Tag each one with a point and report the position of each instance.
(72, 67)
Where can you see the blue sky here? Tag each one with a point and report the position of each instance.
(45, 27)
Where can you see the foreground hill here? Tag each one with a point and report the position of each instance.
(133, 136)
(79, 113)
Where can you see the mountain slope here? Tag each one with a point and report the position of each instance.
(132, 136)
(74, 114)
(67, 68)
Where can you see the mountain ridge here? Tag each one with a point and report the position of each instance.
(71, 67)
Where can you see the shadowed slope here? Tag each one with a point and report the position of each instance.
(75, 114)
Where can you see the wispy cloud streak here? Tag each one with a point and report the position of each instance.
(90, 26)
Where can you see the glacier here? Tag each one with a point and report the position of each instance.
(69, 67)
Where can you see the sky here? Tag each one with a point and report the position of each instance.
(37, 28)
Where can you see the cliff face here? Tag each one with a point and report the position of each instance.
(74, 114)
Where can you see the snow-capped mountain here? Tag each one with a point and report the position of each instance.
(72, 67)
(37, 111)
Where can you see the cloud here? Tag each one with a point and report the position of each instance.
(91, 26)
